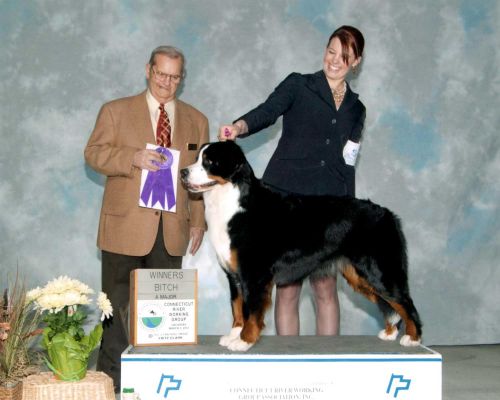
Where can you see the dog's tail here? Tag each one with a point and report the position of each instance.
(395, 248)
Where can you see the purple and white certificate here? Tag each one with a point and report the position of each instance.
(159, 188)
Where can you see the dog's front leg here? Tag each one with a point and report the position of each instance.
(256, 302)
(237, 309)
(248, 335)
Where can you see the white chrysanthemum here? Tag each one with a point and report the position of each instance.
(61, 292)
(82, 287)
(84, 299)
(58, 285)
(51, 302)
(105, 305)
(33, 294)
(64, 284)
(70, 297)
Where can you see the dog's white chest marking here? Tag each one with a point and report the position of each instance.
(221, 203)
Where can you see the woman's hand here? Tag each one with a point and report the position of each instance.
(230, 132)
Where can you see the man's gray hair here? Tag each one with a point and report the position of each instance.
(171, 52)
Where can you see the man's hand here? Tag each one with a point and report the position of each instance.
(143, 159)
(196, 235)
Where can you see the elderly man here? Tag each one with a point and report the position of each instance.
(131, 236)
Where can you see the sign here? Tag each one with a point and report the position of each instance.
(163, 306)
(285, 368)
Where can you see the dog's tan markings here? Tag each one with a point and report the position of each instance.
(251, 329)
(237, 307)
(233, 261)
(217, 179)
(358, 283)
(411, 329)
(389, 328)
(237, 303)
(255, 322)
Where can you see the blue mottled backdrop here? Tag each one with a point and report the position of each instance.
(429, 80)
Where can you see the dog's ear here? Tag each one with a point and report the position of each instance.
(242, 172)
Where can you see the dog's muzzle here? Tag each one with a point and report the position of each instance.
(194, 188)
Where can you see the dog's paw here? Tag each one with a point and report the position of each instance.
(233, 334)
(388, 336)
(407, 341)
(239, 345)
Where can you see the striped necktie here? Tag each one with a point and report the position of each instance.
(163, 130)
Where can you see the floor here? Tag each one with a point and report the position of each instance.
(469, 372)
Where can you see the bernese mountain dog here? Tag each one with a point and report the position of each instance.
(262, 238)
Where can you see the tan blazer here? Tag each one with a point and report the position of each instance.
(123, 127)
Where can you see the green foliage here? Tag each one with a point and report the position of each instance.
(65, 321)
(63, 301)
(67, 357)
(18, 321)
(68, 347)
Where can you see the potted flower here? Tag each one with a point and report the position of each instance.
(18, 326)
(62, 302)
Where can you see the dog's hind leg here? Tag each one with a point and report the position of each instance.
(388, 272)
(393, 307)
(396, 308)
(361, 285)
(237, 310)
(406, 309)
(392, 320)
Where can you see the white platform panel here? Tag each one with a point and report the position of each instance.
(285, 368)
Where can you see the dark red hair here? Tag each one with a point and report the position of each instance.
(350, 37)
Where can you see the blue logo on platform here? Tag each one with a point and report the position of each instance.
(169, 383)
(398, 383)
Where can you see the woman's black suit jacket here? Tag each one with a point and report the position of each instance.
(308, 159)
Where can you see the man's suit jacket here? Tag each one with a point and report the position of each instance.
(122, 128)
(308, 159)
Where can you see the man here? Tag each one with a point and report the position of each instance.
(130, 236)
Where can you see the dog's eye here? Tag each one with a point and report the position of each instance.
(207, 163)
(205, 160)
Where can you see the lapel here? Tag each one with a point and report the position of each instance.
(319, 85)
(141, 122)
(141, 119)
(182, 125)
(139, 114)
(349, 98)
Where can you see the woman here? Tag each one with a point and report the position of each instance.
(322, 124)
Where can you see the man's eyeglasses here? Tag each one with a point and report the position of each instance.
(162, 76)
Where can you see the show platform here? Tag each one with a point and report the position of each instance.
(285, 368)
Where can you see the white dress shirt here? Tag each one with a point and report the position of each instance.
(154, 112)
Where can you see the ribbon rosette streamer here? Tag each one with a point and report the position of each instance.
(159, 184)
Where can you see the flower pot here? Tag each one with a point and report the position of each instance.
(66, 359)
(12, 391)
(68, 347)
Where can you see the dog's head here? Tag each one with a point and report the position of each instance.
(217, 163)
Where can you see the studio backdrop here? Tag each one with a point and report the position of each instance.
(430, 148)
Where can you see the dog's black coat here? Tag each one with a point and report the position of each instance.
(287, 239)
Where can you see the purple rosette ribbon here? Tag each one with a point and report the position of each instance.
(160, 183)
